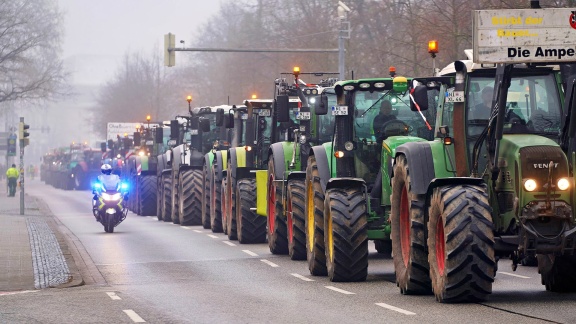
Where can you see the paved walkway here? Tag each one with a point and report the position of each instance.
(33, 253)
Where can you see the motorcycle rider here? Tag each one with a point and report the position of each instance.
(106, 170)
(12, 175)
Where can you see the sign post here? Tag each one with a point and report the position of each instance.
(22, 170)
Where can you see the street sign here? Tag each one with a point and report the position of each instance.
(524, 35)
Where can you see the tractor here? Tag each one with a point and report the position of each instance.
(287, 164)
(347, 182)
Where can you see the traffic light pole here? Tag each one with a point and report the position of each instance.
(22, 171)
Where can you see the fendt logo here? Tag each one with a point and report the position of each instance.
(544, 165)
(573, 19)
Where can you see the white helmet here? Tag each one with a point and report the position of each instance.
(106, 169)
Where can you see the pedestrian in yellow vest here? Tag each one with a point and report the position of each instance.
(12, 174)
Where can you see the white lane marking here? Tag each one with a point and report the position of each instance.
(513, 275)
(396, 309)
(113, 296)
(184, 227)
(340, 290)
(270, 263)
(6, 293)
(301, 277)
(133, 316)
(151, 216)
(229, 243)
(212, 236)
(249, 252)
(198, 231)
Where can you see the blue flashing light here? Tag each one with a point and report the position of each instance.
(124, 186)
(97, 185)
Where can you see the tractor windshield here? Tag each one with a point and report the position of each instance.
(532, 105)
(386, 106)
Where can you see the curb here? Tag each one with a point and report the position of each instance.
(77, 258)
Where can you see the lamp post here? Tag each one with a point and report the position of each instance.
(189, 99)
(433, 50)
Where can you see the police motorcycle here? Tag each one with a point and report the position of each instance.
(109, 196)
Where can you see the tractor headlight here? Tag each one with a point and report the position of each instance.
(530, 184)
(338, 154)
(349, 146)
(563, 184)
(302, 139)
(248, 148)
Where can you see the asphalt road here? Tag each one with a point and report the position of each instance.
(163, 273)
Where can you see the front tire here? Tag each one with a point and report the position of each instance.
(147, 195)
(558, 273)
(205, 198)
(346, 234)
(190, 204)
(167, 201)
(276, 224)
(251, 226)
(216, 204)
(296, 219)
(461, 244)
(315, 251)
(408, 234)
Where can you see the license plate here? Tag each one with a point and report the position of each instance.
(149, 142)
(303, 115)
(454, 96)
(193, 132)
(172, 142)
(244, 116)
(264, 112)
(339, 110)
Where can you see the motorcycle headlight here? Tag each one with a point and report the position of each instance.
(563, 184)
(115, 196)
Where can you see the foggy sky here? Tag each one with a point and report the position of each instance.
(104, 30)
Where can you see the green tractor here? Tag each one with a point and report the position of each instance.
(494, 184)
(142, 170)
(347, 180)
(225, 135)
(287, 164)
(239, 217)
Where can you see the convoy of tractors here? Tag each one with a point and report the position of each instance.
(448, 186)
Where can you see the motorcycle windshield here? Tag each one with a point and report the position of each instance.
(110, 183)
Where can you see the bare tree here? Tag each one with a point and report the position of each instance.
(30, 38)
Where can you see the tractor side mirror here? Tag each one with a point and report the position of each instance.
(110, 144)
(229, 121)
(158, 135)
(282, 108)
(103, 147)
(420, 95)
(126, 143)
(322, 107)
(219, 117)
(204, 124)
(174, 130)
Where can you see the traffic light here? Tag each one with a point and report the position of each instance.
(23, 134)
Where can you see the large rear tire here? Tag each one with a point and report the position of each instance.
(315, 251)
(295, 216)
(277, 230)
(205, 198)
(167, 201)
(190, 204)
(346, 234)
(461, 244)
(251, 226)
(408, 234)
(147, 195)
(216, 204)
(558, 273)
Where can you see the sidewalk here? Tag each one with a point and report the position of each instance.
(33, 253)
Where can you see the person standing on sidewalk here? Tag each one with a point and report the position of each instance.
(12, 174)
